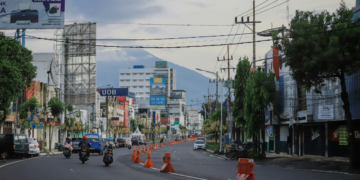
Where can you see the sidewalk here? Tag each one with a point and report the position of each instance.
(308, 163)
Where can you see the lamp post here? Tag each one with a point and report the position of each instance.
(220, 103)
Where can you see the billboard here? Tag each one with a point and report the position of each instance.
(157, 93)
(114, 92)
(32, 14)
(161, 64)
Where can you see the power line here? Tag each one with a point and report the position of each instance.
(252, 9)
(247, 14)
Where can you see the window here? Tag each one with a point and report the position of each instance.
(141, 97)
(147, 93)
(148, 73)
(134, 80)
(123, 80)
(128, 80)
(134, 73)
(141, 73)
(127, 73)
(147, 97)
(122, 73)
(147, 86)
(141, 80)
(20, 139)
(147, 80)
(137, 97)
(134, 86)
(141, 93)
(141, 86)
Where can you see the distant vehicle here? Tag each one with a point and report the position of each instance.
(96, 144)
(33, 147)
(75, 144)
(134, 141)
(199, 145)
(121, 142)
(14, 145)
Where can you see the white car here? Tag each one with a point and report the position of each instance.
(33, 147)
(199, 145)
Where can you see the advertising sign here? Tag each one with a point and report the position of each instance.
(326, 112)
(32, 14)
(343, 136)
(157, 100)
(114, 92)
(157, 86)
(161, 64)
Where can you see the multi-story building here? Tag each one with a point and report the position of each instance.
(137, 80)
(195, 122)
(177, 106)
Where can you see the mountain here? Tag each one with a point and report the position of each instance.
(109, 63)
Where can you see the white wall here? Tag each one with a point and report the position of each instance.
(131, 78)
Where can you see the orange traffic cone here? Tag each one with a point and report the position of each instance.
(149, 163)
(143, 151)
(167, 164)
(134, 155)
(161, 145)
(146, 149)
(150, 147)
(168, 144)
(137, 159)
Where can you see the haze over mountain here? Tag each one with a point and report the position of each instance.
(109, 63)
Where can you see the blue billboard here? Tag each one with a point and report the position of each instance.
(114, 92)
(157, 100)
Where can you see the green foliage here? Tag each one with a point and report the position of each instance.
(141, 126)
(69, 108)
(16, 72)
(206, 106)
(78, 113)
(56, 106)
(207, 121)
(216, 115)
(260, 90)
(32, 103)
(256, 155)
(320, 46)
(242, 71)
(133, 122)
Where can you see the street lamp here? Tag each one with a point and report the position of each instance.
(220, 104)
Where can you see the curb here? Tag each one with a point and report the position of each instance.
(219, 156)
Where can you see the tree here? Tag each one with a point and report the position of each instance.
(133, 122)
(260, 90)
(206, 106)
(141, 127)
(30, 104)
(320, 47)
(16, 72)
(242, 71)
(56, 108)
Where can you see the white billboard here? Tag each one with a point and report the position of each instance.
(326, 112)
(32, 14)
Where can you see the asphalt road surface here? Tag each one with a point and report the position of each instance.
(188, 164)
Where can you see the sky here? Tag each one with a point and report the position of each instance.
(113, 18)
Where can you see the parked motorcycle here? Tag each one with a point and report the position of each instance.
(242, 151)
(67, 153)
(108, 156)
(83, 157)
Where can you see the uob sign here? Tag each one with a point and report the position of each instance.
(114, 92)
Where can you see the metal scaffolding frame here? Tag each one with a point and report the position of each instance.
(75, 49)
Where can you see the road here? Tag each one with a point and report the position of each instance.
(188, 164)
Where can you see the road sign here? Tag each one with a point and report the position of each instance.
(114, 92)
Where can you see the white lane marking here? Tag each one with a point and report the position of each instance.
(72, 170)
(17, 162)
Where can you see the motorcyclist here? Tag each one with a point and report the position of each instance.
(110, 143)
(128, 142)
(68, 144)
(87, 144)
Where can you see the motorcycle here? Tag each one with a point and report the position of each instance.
(242, 151)
(67, 153)
(129, 146)
(108, 156)
(83, 157)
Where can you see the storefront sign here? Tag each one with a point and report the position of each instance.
(343, 135)
(326, 112)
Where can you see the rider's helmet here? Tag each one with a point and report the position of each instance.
(68, 138)
(111, 138)
(84, 137)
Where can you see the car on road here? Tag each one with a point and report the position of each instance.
(96, 144)
(134, 141)
(199, 145)
(33, 147)
(121, 142)
(75, 144)
(201, 139)
(14, 145)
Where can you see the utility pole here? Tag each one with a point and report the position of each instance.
(217, 94)
(107, 116)
(209, 102)
(229, 95)
(253, 30)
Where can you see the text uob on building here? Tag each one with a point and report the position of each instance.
(114, 92)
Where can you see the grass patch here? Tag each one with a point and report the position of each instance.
(212, 147)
